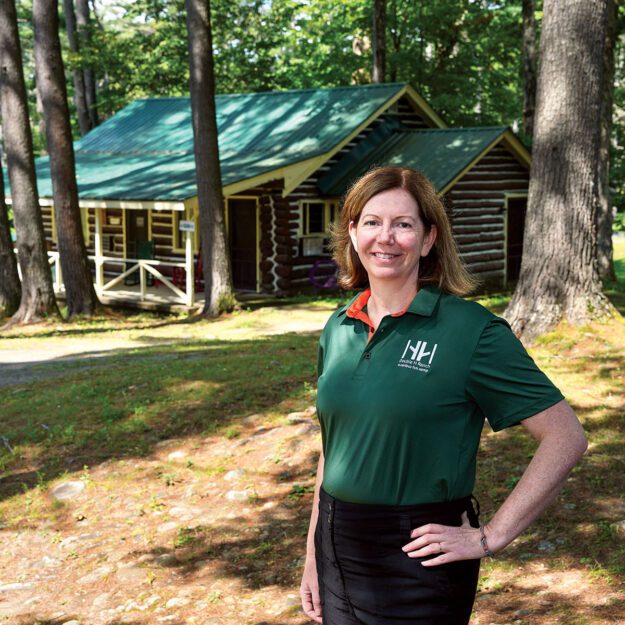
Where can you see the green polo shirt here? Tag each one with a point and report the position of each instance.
(402, 410)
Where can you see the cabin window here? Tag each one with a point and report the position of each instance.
(317, 215)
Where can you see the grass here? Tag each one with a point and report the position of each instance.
(173, 379)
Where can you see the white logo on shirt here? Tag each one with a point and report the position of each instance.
(417, 356)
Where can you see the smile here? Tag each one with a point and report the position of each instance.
(384, 256)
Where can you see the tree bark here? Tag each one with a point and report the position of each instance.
(83, 21)
(215, 255)
(605, 216)
(10, 288)
(559, 276)
(79, 292)
(37, 298)
(529, 67)
(379, 40)
(80, 101)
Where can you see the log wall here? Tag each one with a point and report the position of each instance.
(477, 202)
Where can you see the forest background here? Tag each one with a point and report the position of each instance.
(463, 56)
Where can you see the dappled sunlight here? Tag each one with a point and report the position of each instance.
(196, 445)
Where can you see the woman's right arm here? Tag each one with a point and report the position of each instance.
(309, 589)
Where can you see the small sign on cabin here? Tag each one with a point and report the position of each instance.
(186, 226)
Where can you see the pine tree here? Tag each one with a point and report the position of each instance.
(216, 259)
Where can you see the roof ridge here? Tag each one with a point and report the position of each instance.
(277, 92)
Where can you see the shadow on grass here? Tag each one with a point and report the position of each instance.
(100, 325)
(123, 406)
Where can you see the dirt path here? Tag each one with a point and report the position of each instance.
(28, 359)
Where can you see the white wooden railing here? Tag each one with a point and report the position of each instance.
(144, 267)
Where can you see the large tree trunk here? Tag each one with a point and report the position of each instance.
(10, 289)
(605, 216)
(529, 67)
(559, 277)
(37, 300)
(80, 101)
(79, 291)
(216, 259)
(83, 21)
(379, 40)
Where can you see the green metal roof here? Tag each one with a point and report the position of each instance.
(145, 151)
(441, 154)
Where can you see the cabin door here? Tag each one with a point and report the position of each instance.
(243, 241)
(517, 207)
(137, 231)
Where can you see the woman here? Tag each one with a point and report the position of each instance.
(407, 373)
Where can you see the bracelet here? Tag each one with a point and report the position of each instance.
(484, 542)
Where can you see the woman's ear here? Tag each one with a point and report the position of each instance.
(429, 240)
(352, 235)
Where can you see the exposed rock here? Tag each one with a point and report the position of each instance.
(238, 495)
(235, 474)
(16, 586)
(101, 600)
(131, 575)
(96, 575)
(166, 559)
(619, 527)
(297, 417)
(72, 622)
(176, 602)
(177, 455)
(68, 490)
(71, 541)
(184, 514)
(167, 527)
(307, 428)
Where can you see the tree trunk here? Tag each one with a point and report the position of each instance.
(83, 21)
(529, 67)
(215, 256)
(37, 299)
(605, 216)
(10, 289)
(559, 276)
(379, 40)
(80, 101)
(79, 291)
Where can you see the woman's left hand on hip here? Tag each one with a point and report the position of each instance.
(447, 543)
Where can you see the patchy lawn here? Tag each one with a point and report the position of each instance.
(187, 453)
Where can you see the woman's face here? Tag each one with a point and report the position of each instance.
(390, 237)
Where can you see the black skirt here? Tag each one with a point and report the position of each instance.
(366, 579)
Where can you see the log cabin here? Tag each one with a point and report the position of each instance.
(287, 158)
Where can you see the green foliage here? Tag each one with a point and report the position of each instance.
(463, 56)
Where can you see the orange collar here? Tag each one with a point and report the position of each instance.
(355, 311)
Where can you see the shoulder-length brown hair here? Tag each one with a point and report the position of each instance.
(442, 267)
